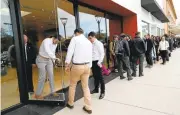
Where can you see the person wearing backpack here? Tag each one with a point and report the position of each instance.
(122, 52)
(139, 49)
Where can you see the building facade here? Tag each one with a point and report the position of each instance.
(38, 20)
(171, 14)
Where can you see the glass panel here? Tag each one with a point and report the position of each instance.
(66, 26)
(92, 20)
(158, 32)
(9, 81)
(153, 30)
(145, 28)
(41, 20)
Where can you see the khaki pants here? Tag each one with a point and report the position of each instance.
(80, 72)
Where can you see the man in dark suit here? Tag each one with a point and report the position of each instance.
(123, 52)
(139, 49)
(30, 55)
(149, 51)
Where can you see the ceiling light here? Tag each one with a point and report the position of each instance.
(24, 13)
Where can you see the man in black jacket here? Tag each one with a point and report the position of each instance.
(138, 52)
(30, 55)
(149, 49)
(123, 58)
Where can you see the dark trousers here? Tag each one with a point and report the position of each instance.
(164, 55)
(29, 78)
(98, 78)
(141, 60)
(115, 61)
(124, 61)
(167, 55)
(157, 54)
(149, 58)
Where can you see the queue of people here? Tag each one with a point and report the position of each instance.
(130, 52)
(86, 54)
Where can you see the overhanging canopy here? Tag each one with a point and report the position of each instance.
(153, 7)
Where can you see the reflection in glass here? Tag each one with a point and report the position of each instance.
(41, 21)
(92, 20)
(153, 30)
(145, 28)
(158, 31)
(9, 82)
(64, 21)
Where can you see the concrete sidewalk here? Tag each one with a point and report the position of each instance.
(157, 93)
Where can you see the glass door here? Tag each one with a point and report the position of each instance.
(42, 20)
(9, 79)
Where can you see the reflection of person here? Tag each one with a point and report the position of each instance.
(98, 56)
(45, 62)
(80, 52)
(30, 55)
(12, 55)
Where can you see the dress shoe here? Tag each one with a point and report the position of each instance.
(122, 77)
(94, 91)
(101, 95)
(134, 75)
(69, 106)
(88, 111)
(140, 75)
(130, 78)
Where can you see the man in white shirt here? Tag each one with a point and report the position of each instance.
(163, 49)
(45, 63)
(98, 56)
(80, 53)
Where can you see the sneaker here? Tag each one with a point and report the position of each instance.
(116, 70)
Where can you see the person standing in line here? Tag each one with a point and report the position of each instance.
(149, 51)
(122, 52)
(139, 49)
(129, 39)
(112, 48)
(163, 49)
(167, 38)
(45, 63)
(97, 57)
(156, 44)
(30, 55)
(80, 53)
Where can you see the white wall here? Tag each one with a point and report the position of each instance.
(142, 14)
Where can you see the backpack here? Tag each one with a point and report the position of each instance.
(119, 49)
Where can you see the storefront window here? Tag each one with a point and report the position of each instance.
(162, 32)
(145, 28)
(9, 82)
(158, 32)
(42, 20)
(153, 30)
(92, 20)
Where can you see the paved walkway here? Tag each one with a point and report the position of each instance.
(157, 93)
